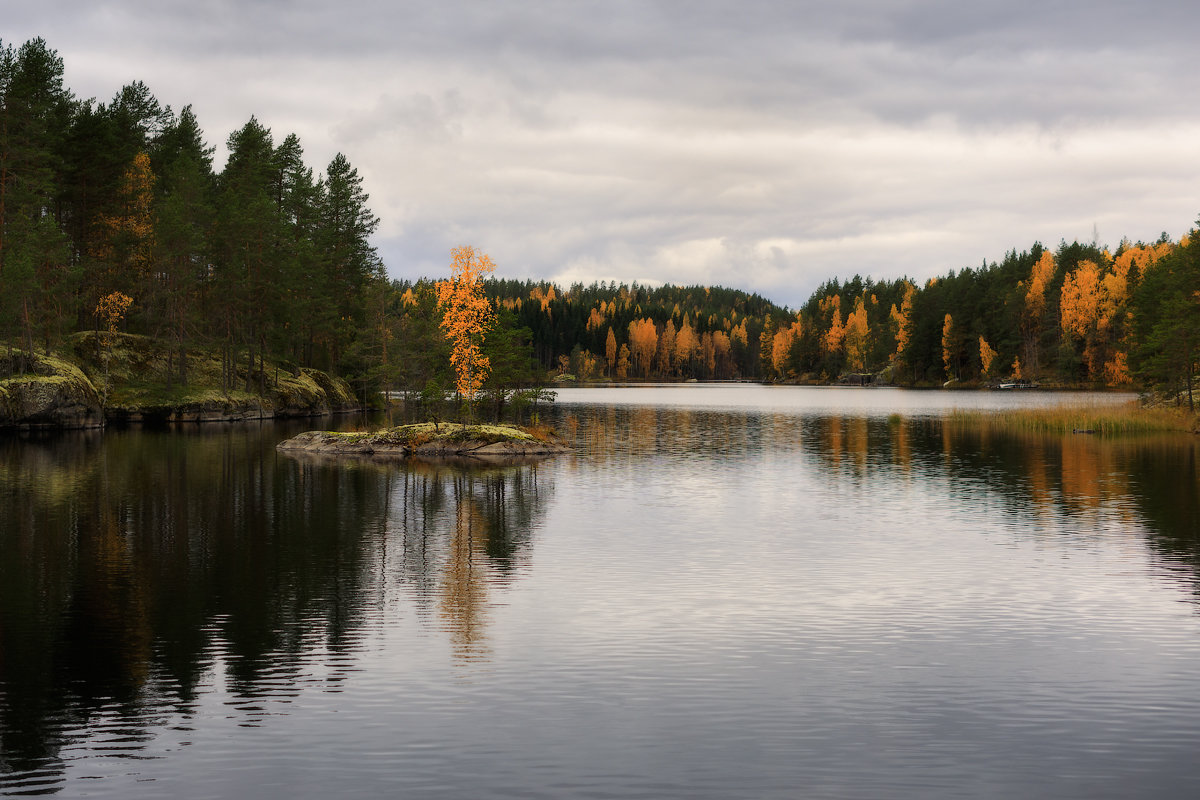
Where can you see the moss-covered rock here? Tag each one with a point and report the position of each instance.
(52, 392)
(337, 392)
(428, 439)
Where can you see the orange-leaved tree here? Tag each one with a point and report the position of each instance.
(949, 355)
(986, 356)
(110, 310)
(466, 318)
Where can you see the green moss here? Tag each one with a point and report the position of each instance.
(336, 389)
(420, 433)
(144, 397)
(297, 390)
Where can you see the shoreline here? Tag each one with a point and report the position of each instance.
(88, 388)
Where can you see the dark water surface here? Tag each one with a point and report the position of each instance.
(725, 592)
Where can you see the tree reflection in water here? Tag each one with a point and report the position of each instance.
(140, 569)
(1145, 483)
(463, 529)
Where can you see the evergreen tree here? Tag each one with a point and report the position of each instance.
(348, 261)
(184, 223)
(34, 116)
(1166, 324)
(245, 272)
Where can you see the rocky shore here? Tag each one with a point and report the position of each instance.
(88, 387)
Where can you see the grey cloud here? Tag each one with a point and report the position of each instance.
(760, 144)
(418, 118)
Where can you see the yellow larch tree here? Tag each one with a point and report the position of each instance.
(986, 356)
(1039, 277)
(610, 350)
(643, 341)
(595, 319)
(831, 342)
(903, 319)
(766, 340)
(855, 336)
(1080, 311)
(543, 296)
(466, 318)
(664, 354)
(949, 357)
(722, 363)
(687, 345)
(781, 347)
(1035, 307)
(623, 362)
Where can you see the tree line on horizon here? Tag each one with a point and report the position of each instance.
(118, 205)
(1080, 315)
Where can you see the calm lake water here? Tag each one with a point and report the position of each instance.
(726, 592)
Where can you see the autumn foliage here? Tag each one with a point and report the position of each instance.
(466, 317)
(112, 309)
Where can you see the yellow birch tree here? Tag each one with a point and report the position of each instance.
(466, 318)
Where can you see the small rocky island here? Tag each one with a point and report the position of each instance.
(428, 439)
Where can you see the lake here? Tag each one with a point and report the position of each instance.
(727, 591)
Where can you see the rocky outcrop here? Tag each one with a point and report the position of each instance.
(429, 441)
(49, 393)
(310, 392)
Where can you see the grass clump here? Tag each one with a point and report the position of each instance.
(1104, 420)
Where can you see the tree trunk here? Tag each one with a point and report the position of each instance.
(1191, 380)
(28, 327)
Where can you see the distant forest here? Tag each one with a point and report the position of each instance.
(112, 213)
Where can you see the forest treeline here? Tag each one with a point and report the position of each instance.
(112, 211)
(112, 214)
(1077, 315)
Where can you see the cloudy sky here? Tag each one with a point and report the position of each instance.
(760, 145)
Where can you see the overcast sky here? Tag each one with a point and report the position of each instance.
(766, 146)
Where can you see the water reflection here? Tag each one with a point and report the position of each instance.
(142, 570)
(1144, 483)
(1076, 483)
(726, 602)
(455, 533)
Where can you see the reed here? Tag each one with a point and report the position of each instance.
(1102, 420)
